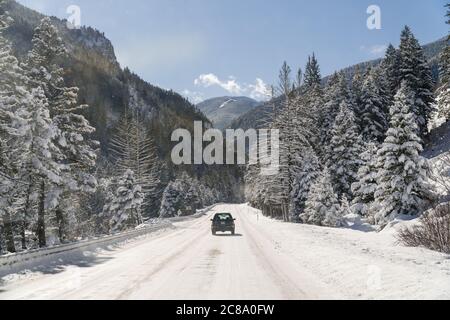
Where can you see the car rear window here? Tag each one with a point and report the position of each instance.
(223, 216)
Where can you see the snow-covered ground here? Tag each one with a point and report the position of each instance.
(266, 260)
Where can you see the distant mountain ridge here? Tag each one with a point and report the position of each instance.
(258, 117)
(222, 111)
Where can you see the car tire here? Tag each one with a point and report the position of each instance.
(214, 233)
(233, 232)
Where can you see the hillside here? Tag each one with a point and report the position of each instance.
(259, 116)
(104, 85)
(222, 111)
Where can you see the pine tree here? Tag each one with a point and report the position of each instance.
(171, 200)
(34, 133)
(311, 101)
(290, 136)
(299, 80)
(336, 92)
(132, 148)
(390, 67)
(312, 72)
(322, 206)
(12, 96)
(415, 71)
(344, 210)
(357, 93)
(403, 173)
(124, 207)
(297, 121)
(443, 98)
(78, 149)
(308, 174)
(42, 62)
(26, 119)
(343, 151)
(365, 186)
(373, 112)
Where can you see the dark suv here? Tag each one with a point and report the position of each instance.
(223, 222)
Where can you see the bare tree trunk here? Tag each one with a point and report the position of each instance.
(60, 222)
(23, 228)
(285, 211)
(1, 239)
(24, 222)
(9, 234)
(41, 218)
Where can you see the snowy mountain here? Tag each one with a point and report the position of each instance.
(223, 111)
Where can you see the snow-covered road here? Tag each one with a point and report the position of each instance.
(265, 260)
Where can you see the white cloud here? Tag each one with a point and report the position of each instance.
(208, 80)
(375, 50)
(258, 91)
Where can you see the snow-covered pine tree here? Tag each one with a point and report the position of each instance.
(374, 108)
(357, 93)
(307, 175)
(171, 200)
(124, 207)
(42, 62)
(343, 151)
(443, 98)
(390, 68)
(262, 191)
(79, 152)
(297, 125)
(192, 198)
(12, 95)
(402, 179)
(75, 142)
(415, 70)
(310, 104)
(312, 72)
(147, 165)
(345, 209)
(26, 120)
(336, 92)
(285, 122)
(121, 144)
(365, 186)
(132, 148)
(322, 206)
(34, 133)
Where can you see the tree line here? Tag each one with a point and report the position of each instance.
(354, 145)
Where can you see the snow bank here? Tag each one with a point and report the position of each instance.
(13, 263)
(359, 265)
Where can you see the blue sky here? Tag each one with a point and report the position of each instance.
(207, 48)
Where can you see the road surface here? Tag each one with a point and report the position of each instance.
(187, 262)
